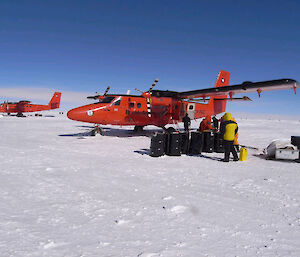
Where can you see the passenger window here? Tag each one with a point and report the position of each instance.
(138, 105)
(131, 105)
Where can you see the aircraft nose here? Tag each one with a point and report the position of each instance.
(78, 114)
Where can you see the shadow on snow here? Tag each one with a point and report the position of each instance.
(113, 132)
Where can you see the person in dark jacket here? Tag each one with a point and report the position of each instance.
(187, 122)
(215, 122)
(228, 129)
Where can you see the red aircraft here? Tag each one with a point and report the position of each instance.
(159, 108)
(26, 106)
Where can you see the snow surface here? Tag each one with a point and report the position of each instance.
(66, 194)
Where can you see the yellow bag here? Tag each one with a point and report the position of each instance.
(243, 154)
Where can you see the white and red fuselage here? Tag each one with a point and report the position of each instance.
(151, 108)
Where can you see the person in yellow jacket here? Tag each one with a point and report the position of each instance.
(229, 129)
(235, 141)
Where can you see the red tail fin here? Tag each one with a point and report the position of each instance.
(219, 106)
(223, 79)
(55, 100)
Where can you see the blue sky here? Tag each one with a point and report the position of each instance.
(83, 46)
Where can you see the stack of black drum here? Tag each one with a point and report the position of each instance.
(158, 144)
(173, 144)
(177, 143)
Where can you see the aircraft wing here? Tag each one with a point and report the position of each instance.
(240, 88)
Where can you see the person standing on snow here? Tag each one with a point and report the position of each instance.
(229, 129)
(221, 120)
(187, 122)
(235, 141)
(206, 124)
(215, 122)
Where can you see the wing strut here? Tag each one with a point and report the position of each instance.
(259, 92)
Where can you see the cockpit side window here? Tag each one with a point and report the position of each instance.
(117, 102)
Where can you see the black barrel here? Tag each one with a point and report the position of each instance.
(208, 142)
(174, 144)
(196, 143)
(184, 137)
(158, 143)
(218, 143)
(295, 140)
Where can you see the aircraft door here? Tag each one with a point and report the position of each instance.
(191, 110)
(116, 110)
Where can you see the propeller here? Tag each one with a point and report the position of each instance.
(138, 90)
(106, 90)
(97, 94)
(149, 100)
(153, 85)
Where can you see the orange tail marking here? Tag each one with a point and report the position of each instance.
(222, 81)
(55, 100)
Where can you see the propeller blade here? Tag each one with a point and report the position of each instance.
(107, 89)
(95, 97)
(153, 85)
(139, 90)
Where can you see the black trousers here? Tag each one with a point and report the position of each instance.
(229, 148)
(186, 127)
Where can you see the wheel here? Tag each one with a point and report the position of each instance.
(138, 128)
